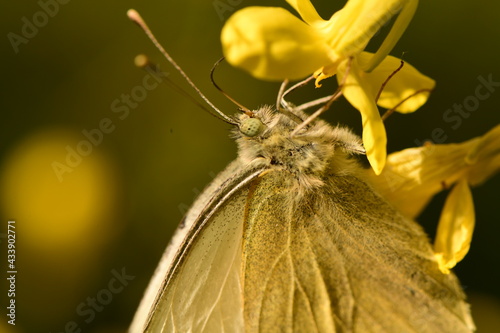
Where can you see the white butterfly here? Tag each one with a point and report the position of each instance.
(292, 237)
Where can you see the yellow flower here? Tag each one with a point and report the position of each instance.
(272, 44)
(413, 176)
(361, 89)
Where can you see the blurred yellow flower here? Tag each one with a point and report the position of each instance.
(272, 44)
(62, 215)
(413, 176)
(63, 226)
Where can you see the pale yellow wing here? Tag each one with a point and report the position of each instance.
(197, 286)
(264, 257)
(340, 259)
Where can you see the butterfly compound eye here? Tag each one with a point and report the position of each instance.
(251, 127)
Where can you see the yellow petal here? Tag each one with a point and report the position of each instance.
(406, 82)
(272, 44)
(413, 176)
(351, 28)
(306, 10)
(358, 92)
(484, 157)
(392, 38)
(455, 228)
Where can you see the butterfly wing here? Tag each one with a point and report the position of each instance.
(340, 259)
(259, 257)
(197, 286)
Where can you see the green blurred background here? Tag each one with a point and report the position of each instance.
(117, 208)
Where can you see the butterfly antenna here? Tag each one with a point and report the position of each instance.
(136, 17)
(143, 62)
(240, 106)
(387, 80)
(391, 111)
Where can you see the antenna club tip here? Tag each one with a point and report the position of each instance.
(133, 15)
(141, 61)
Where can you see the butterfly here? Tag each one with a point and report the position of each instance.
(293, 237)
